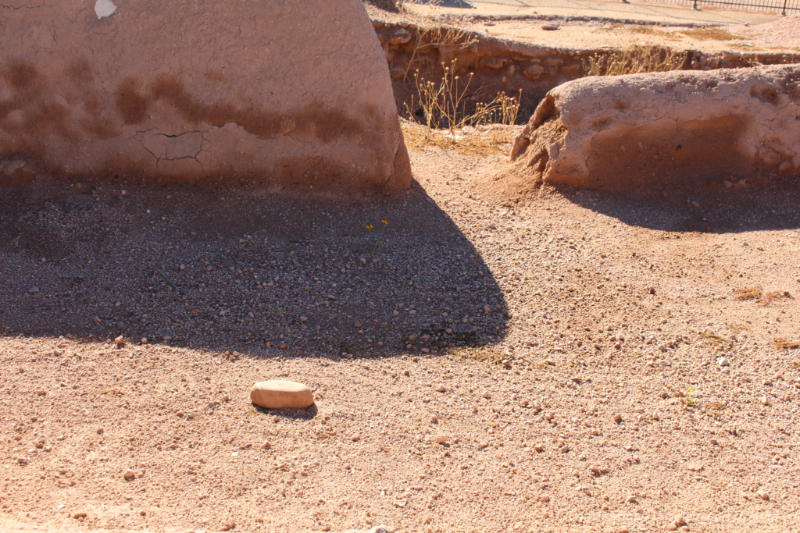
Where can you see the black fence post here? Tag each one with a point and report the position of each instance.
(695, 4)
(784, 7)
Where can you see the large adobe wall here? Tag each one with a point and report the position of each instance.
(664, 130)
(292, 93)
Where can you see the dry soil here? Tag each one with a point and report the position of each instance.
(482, 360)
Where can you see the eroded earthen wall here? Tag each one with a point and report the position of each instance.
(501, 65)
(292, 93)
(665, 130)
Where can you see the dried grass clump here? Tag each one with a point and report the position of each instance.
(711, 33)
(771, 296)
(756, 293)
(444, 102)
(718, 341)
(750, 293)
(446, 121)
(786, 345)
(437, 38)
(483, 140)
(634, 60)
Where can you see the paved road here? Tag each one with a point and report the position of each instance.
(634, 9)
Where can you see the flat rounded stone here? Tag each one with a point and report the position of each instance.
(281, 394)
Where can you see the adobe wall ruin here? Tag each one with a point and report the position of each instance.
(293, 93)
(510, 66)
(665, 130)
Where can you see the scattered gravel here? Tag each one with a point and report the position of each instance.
(479, 362)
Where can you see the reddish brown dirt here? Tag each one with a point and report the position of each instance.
(602, 372)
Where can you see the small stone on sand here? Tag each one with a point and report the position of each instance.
(281, 394)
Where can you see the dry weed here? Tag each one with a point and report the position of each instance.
(750, 293)
(715, 409)
(710, 33)
(478, 141)
(721, 343)
(771, 296)
(634, 60)
(502, 109)
(444, 103)
(644, 30)
(545, 365)
(480, 353)
(436, 38)
(786, 345)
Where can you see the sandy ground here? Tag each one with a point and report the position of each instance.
(775, 36)
(669, 12)
(562, 361)
(599, 24)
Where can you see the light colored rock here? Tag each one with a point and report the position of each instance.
(290, 94)
(104, 8)
(664, 129)
(375, 529)
(281, 394)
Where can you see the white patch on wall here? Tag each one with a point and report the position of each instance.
(104, 8)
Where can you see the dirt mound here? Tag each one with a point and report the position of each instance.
(664, 130)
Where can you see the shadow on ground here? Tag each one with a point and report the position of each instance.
(706, 210)
(246, 271)
(446, 3)
(294, 414)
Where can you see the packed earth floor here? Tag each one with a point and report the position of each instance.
(483, 359)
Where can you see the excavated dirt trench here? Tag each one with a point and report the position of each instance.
(503, 65)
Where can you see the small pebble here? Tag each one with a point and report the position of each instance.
(281, 394)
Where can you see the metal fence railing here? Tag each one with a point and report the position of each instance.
(784, 7)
